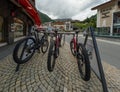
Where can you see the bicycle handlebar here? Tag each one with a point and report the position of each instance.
(77, 31)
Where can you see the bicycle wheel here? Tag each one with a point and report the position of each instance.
(83, 63)
(72, 48)
(57, 52)
(44, 46)
(51, 57)
(24, 50)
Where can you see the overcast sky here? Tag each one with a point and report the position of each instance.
(75, 9)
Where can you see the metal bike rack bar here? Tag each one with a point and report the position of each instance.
(98, 59)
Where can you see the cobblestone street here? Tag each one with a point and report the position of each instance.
(33, 76)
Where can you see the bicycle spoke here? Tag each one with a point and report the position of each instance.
(27, 49)
(23, 50)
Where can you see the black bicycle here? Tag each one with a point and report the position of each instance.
(26, 47)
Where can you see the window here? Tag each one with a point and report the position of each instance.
(119, 4)
(1, 29)
(17, 27)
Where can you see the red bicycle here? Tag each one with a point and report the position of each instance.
(53, 50)
(79, 51)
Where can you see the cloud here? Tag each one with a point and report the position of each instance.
(67, 8)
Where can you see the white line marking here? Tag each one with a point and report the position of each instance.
(111, 42)
(106, 41)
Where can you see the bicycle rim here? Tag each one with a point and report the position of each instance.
(44, 46)
(24, 50)
(83, 63)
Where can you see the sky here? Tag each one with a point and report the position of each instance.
(75, 9)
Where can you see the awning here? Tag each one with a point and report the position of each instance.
(31, 10)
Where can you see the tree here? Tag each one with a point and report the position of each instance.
(86, 23)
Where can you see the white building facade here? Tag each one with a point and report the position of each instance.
(108, 16)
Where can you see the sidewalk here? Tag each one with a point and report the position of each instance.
(33, 76)
(6, 49)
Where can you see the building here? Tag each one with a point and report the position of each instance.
(63, 25)
(59, 25)
(15, 21)
(108, 17)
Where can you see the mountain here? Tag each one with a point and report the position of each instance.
(44, 18)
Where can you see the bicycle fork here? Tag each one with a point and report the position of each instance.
(57, 46)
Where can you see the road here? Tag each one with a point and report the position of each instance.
(109, 51)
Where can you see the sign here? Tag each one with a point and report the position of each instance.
(106, 12)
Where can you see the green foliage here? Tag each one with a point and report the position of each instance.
(44, 18)
(86, 23)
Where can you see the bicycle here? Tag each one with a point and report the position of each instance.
(79, 51)
(26, 47)
(53, 52)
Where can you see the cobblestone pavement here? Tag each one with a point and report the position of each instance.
(33, 76)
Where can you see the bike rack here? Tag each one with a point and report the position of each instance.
(101, 75)
(99, 64)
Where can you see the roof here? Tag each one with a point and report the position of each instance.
(58, 23)
(103, 5)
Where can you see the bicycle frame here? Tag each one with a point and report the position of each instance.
(35, 35)
(57, 39)
(75, 41)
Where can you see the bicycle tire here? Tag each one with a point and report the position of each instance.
(83, 62)
(18, 59)
(51, 57)
(72, 48)
(57, 52)
(44, 46)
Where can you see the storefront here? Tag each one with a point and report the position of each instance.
(108, 17)
(15, 21)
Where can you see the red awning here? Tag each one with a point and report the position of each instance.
(31, 10)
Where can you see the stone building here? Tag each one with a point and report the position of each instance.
(15, 21)
(108, 17)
